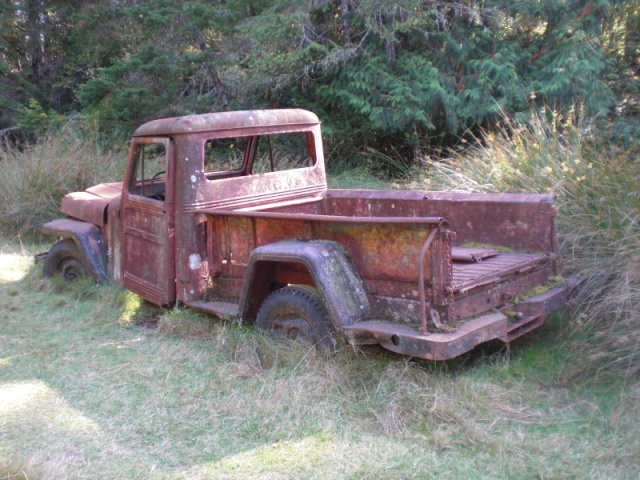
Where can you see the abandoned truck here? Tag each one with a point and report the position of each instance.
(229, 214)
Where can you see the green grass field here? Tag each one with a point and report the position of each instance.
(90, 388)
(95, 384)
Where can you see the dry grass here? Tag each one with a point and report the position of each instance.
(34, 178)
(88, 390)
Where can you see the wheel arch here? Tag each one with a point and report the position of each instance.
(329, 269)
(88, 238)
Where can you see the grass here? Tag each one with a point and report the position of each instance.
(35, 177)
(94, 383)
(89, 390)
(359, 177)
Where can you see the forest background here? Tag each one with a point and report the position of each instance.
(386, 76)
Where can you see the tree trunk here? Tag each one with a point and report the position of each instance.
(632, 39)
(346, 28)
(35, 42)
(213, 73)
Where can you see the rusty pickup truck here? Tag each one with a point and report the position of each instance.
(229, 214)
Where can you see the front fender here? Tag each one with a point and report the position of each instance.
(330, 267)
(88, 238)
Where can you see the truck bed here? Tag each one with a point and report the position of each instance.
(384, 233)
(467, 275)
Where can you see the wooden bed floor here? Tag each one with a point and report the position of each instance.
(469, 274)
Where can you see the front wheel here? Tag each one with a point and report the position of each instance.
(64, 258)
(298, 313)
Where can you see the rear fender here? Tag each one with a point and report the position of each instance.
(88, 238)
(331, 270)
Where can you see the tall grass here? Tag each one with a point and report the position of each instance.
(597, 190)
(33, 178)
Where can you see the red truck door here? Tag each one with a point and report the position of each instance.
(148, 265)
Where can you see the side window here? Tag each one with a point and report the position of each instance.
(285, 151)
(224, 155)
(150, 171)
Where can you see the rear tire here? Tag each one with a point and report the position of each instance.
(298, 313)
(66, 259)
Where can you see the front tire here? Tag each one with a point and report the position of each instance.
(66, 259)
(298, 313)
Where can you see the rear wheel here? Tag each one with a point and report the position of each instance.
(66, 259)
(297, 312)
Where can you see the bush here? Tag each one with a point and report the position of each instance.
(34, 177)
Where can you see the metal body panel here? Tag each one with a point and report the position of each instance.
(494, 294)
(520, 222)
(88, 238)
(239, 123)
(436, 346)
(198, 192)
(106, 190)
(144, 249)
(147, 249)
(405, 340)
(329, 265)
(91, 204)
(85, 206)
(384, 253)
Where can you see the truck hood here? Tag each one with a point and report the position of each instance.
(91, 204)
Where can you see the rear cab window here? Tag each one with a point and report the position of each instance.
(258, 154)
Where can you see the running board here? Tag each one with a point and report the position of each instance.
(223, 310)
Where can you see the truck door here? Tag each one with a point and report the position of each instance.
(148, 265)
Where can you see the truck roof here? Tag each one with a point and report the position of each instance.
(231, 121)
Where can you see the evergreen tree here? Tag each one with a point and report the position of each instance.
(379, 72)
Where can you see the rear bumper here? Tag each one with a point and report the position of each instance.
(508, 324)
